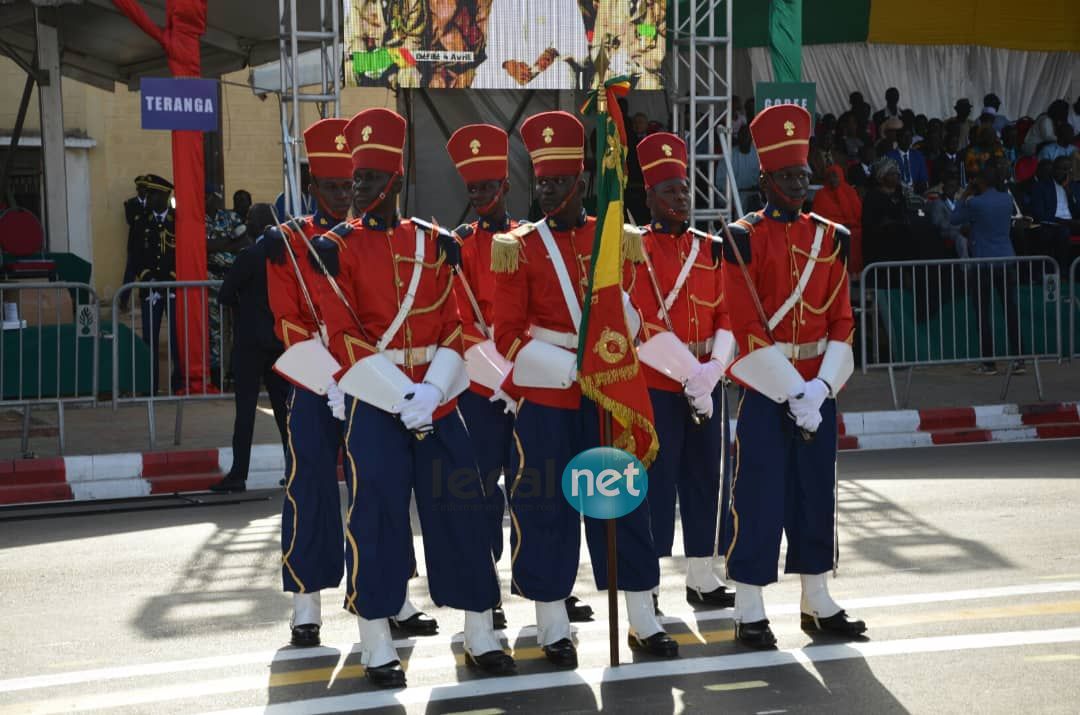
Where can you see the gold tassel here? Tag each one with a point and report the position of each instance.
(505, 253)
(632, 249)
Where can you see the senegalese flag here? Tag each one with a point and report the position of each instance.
(376, 61)
(608, 369)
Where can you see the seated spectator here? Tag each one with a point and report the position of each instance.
(961, 121)
(837, 201)
(940, 202)
(738, 116)
(1074, 116)
(1063, 146)
(912, 165)
(919, 128)
(1044, 130)
(820, 157)
(950, 157)
(867, 128)
(1010, 143)
(984, 149)
(241, 201)
(892, 107)
(749, 109)
(1055, 204)
(849, 136)
(988, 209)
(931, 144)
(992, 108)
(885, 228)
(744, 162)
(890, 129)
(827, 125)
(860, 173)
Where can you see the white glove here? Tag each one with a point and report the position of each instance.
(335, 398)
(416, 412)
(813, 396)
(704, 379)
(808, 420)
(511, 405)
(703, 405)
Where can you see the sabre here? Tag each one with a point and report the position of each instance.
(459, 273)
(807, 435)
(696, 416)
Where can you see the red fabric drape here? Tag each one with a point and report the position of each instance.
(185, 23)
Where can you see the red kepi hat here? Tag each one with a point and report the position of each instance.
(479, 152)
(662, 157)
(782, 136)
(328, 150)
(376, 140)
(556, 143)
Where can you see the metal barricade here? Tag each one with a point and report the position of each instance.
(49, 349)
(919, 313)
(1073, 299)
(151, 344)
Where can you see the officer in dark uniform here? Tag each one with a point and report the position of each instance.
(133, 208)
(154, 241)
(255, 348)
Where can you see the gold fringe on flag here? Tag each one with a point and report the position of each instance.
(632, 249)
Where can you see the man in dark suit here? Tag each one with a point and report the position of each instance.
(255, 348)
(912, 165)
(133, 208)
(1055, 204)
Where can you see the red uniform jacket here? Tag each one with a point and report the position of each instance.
(476, 266)
(529, 294)
(376, 269)
(698, 311)
(776, 246)
(293, 321)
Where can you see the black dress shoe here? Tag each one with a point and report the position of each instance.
(577, 611)
(418, 624)
(498, 618)
(306, 635)
(659, 644)
(718, 598)
(229, 485)
(561, 653)
(494, 662)
(835, 625)
(387, 676)
(756, 635)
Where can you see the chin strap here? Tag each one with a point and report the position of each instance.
(490, 206)
(571, 195)
(668, 209)
(794, 204)
(382, 194)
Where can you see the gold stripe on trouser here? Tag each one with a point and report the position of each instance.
(348, 514)
(734, 481)
(289, 496)
(510, 497)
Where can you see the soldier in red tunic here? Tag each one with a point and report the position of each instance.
(401, 347)
(787, 294)
(542, 277)
(686, 346)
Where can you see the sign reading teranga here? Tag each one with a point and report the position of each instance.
(179, 103)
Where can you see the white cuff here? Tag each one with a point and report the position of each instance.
(308, 364)
(486, 366)
(447, 372)
(669, 356)
(541, 364)
(723, 349)
(837, 366)
(376, 381)
(767, 371)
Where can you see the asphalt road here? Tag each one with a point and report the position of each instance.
(963, 560)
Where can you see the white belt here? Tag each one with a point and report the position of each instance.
(554, 337)
(701, 348)
(803, 351)
(414, 356)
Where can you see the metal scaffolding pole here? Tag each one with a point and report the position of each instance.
(327, 99)
(701, 80)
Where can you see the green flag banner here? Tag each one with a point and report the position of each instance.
(785, 39)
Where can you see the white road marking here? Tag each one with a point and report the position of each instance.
(675, 668)
(597, 627)
(744, 685)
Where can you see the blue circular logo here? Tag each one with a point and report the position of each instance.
(605, 483)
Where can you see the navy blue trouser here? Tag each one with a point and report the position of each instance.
(492, 431)
(546, 537)
(781, 483)
(384, 465)
(311, 539)
(688, 464)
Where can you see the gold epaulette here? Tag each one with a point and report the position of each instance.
(632, 248)
(506, 249)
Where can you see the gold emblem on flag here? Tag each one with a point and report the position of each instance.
(612, 346)
(474, 146)
(789, 129)
(339, 142)
(548, 134)
(667, 149)
(365, 133)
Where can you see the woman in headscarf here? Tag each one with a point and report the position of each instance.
(837, 201)
(885, 226)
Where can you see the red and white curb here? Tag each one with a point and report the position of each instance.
(119, 476)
